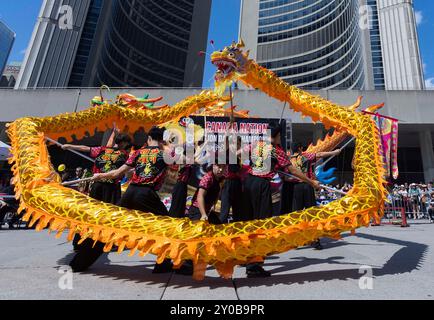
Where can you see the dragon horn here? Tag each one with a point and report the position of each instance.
(240, 44)
(375, 107)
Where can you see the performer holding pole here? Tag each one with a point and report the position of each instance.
(71, 150)
(205, 198)
(180, 190)
(109, 190)
(231, 195)
(267, 159)
(304, 194)
(149, 173)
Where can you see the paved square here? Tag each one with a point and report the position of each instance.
(402, 262)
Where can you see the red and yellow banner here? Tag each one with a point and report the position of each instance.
(388, 128)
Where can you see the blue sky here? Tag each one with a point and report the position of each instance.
(21, 15)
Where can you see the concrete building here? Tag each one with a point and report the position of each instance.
(400, 45)
(154, 43)
(415, 109)
(339, 44)
(143, 43)
(7, 39)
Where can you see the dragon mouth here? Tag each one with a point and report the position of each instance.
(225, 66)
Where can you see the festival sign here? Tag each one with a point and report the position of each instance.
(216, 128)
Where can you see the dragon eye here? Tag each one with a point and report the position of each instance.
(232, 55)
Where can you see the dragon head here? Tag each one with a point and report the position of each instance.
(231, 62)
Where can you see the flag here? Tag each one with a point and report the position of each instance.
(388, 129)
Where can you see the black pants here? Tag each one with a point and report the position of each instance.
(304, 197)
(179, 199)
(257, 203)
(136, 198)
(286, 198)
(431, 213)
(105, 192)
(144, 199)
(231, 197)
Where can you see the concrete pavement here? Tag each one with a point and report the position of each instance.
(400, 259)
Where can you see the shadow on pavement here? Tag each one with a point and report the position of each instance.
(406, 259)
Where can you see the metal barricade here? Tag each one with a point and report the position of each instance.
(395, 212)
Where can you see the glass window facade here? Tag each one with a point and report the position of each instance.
(377, 55)
(7, 38)
(86, 41)
(147, 43)
(315, 44)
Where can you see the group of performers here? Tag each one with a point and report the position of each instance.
(243, 187)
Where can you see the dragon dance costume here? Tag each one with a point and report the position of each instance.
(47, 204)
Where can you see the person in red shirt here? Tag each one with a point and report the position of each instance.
(303, 195)
(180, 192)
(207, 194)
(267, 159)
(232, 192)
(203, 202)
(106, 159)
(150, 166)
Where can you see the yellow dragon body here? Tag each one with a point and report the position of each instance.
(47, 203)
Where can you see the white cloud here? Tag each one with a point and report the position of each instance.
(419, 17)
(23, 51)
(424, 67)
(429, 84)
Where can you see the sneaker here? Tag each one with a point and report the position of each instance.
(317, 245)
(257, 272)
(165, 267)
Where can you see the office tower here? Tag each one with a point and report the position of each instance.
(400, 46)
(137, 43)
(325, 45)
(153, 43)
(7, 38)
(311, 44)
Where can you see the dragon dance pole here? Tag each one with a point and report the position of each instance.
(7, 197)
(73, 151)
(321, 185)
(71, 183)
(343, 147)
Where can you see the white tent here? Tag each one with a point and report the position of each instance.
(4, 151)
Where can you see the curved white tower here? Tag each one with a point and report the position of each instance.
(314, 44)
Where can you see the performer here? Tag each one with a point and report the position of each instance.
(286, 195)
(108, 190)
(180, 191)
(203, 202)
(108, 158)
(207, 195)
(304, 194)
(9, 205)
(232, 189)
(149, 173)
(267, 159)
